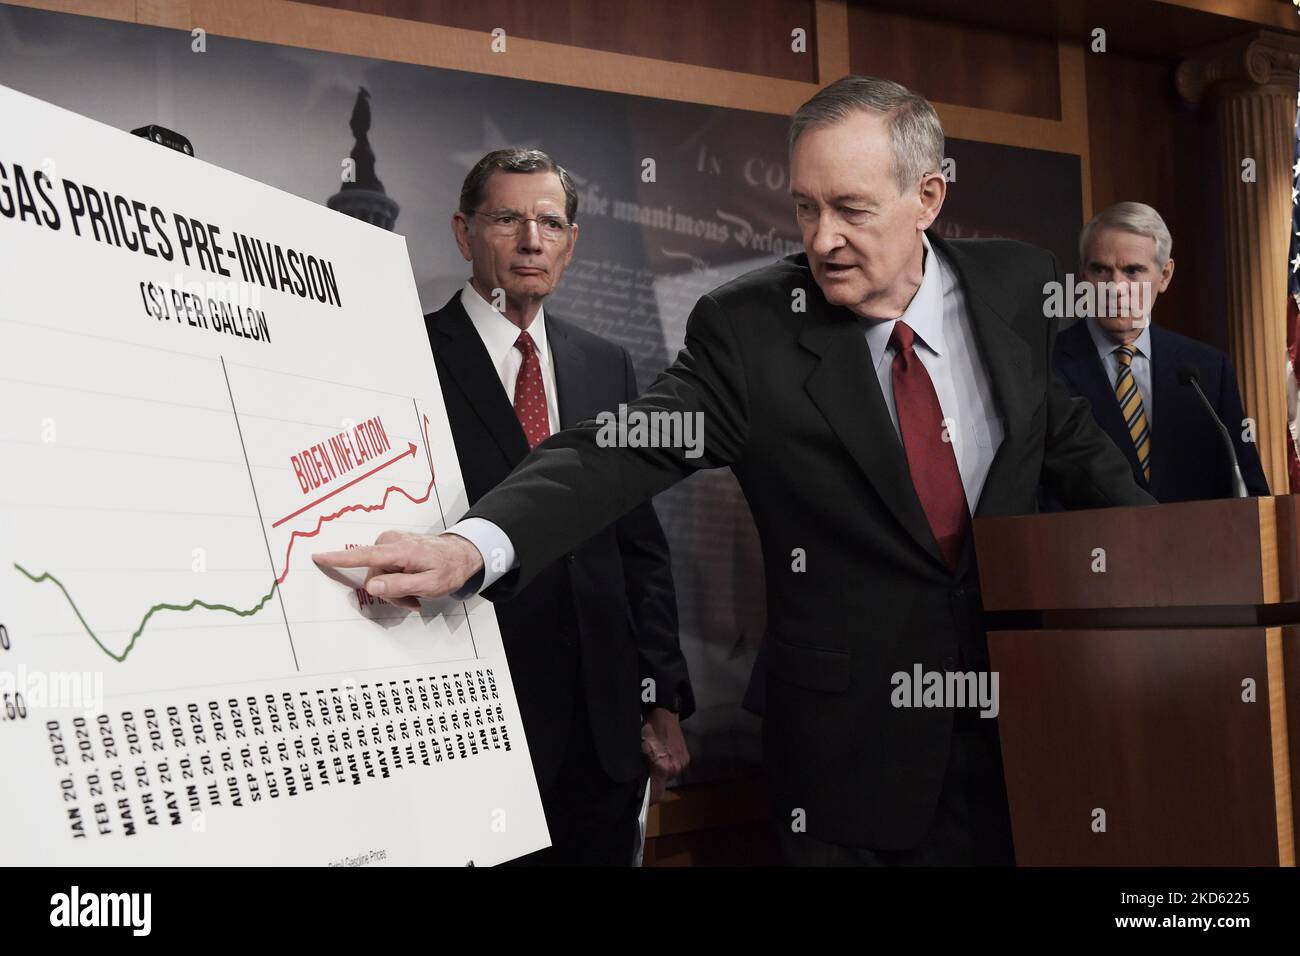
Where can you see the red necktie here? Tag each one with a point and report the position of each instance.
(530, 394)
(930, 458)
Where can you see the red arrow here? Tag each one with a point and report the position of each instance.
(409, 453)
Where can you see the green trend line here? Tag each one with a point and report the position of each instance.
(38, 579)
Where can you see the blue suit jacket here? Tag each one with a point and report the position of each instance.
(1188, 459)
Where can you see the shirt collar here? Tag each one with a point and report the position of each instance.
(1106, 345)
(498, 333)
(924, 313)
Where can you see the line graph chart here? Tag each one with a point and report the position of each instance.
(191, 605)
(295, 536)
(263, 426)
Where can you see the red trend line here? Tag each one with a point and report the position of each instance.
(410, 450)
(320, 522)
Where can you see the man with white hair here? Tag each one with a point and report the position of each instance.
(871, 395)
(1136, 375)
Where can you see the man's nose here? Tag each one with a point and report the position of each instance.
(825, 237)
(530, 236)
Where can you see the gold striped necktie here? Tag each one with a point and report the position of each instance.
(1130, 407)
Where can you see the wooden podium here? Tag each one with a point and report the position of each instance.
(1149, 681)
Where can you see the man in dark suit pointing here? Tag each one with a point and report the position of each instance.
(870, 395)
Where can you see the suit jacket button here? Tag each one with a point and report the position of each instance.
(571, 556)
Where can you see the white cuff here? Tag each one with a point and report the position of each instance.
(494, 548)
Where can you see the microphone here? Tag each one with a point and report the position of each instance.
(1191, 375)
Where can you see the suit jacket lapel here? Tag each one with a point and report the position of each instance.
(1083, 366)
(467, 361)
(844, 388)
(570, 373)
(1007, 359)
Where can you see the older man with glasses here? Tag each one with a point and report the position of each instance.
(592, 640)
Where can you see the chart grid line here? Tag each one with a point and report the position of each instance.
(261, 522)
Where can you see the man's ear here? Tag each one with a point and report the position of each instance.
(460, 232)
(932, 192)
(1166, 276)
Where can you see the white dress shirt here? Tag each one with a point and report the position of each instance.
(499, 335)
(947, 347)
(1141, 365)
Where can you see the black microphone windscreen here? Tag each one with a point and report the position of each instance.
(1188, 373)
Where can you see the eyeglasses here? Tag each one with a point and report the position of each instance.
(508, 225)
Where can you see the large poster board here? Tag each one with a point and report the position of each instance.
(202, 381)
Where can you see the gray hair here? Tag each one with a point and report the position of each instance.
(915, 133)
(515, 160)
(1135, 217)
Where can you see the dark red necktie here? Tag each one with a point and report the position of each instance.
(530, 394)
(930, 458)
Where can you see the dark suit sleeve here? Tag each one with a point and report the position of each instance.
(648, 573)
(570, 486)
(1228, 407)
(1082, 468)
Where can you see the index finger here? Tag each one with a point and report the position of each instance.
(366, 556)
